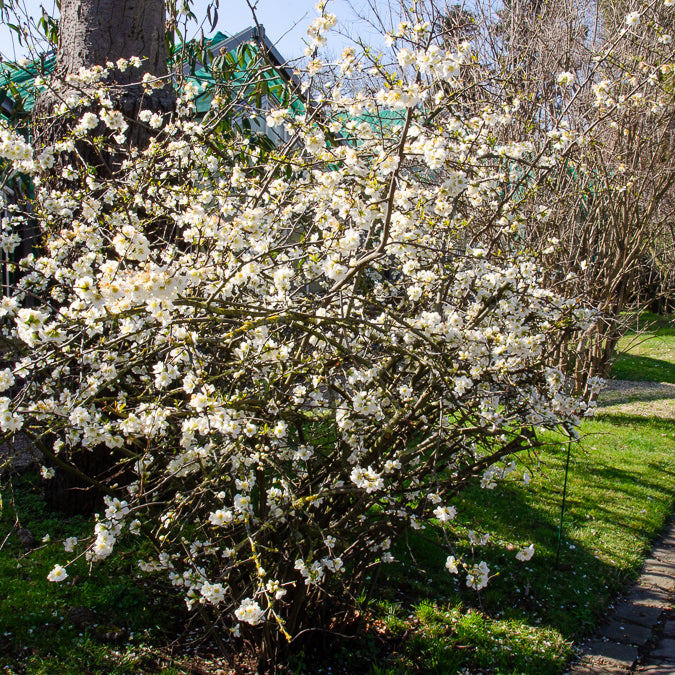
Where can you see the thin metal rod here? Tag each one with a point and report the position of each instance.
(564, 501)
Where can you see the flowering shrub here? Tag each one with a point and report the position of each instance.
(292, 355)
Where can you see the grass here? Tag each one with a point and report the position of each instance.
(424, 620)
(647, 352)
(98, 620)
(620, 494)
(421, 619)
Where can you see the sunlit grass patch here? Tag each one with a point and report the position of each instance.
(445, 640)
(620, 494)
(647, 352)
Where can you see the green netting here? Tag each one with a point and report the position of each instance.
(18, 90)
(17, 82)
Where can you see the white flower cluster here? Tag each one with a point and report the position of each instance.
(57, 574)
(478, 576)
(108, 530)
(314, 573)
(249, 612)
(319, 27)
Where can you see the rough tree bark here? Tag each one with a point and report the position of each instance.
(93, 32)
(97, 32)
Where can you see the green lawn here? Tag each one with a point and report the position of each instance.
(423, 620)
(620, 494)
(97, 621)
(647, 352)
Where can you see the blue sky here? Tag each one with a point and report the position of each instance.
(285, 22)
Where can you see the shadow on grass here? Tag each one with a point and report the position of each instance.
(425, 620)
(99, 620)
(643, 368)
(656, 324)
(522, 621)
(654, 391)
(620, 496)
(659, 424)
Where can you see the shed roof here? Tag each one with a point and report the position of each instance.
(18, 89)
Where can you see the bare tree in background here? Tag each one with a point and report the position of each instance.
(611, 205)
(589, 80)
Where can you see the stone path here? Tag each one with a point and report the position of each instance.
(639, 635)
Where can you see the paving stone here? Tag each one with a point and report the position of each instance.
(615, 652)
(653, 562)
(592, 665)
(656, 580)
(597, 669)
(633, 622)
(664, 650)
(668, 539)
(650, 597)
(657, 568)
(643, 615)
(626, 633)
(665, 555)
(657, 669)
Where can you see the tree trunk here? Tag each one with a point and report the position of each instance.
(91, 33)
(95, 32)
(98, 32)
